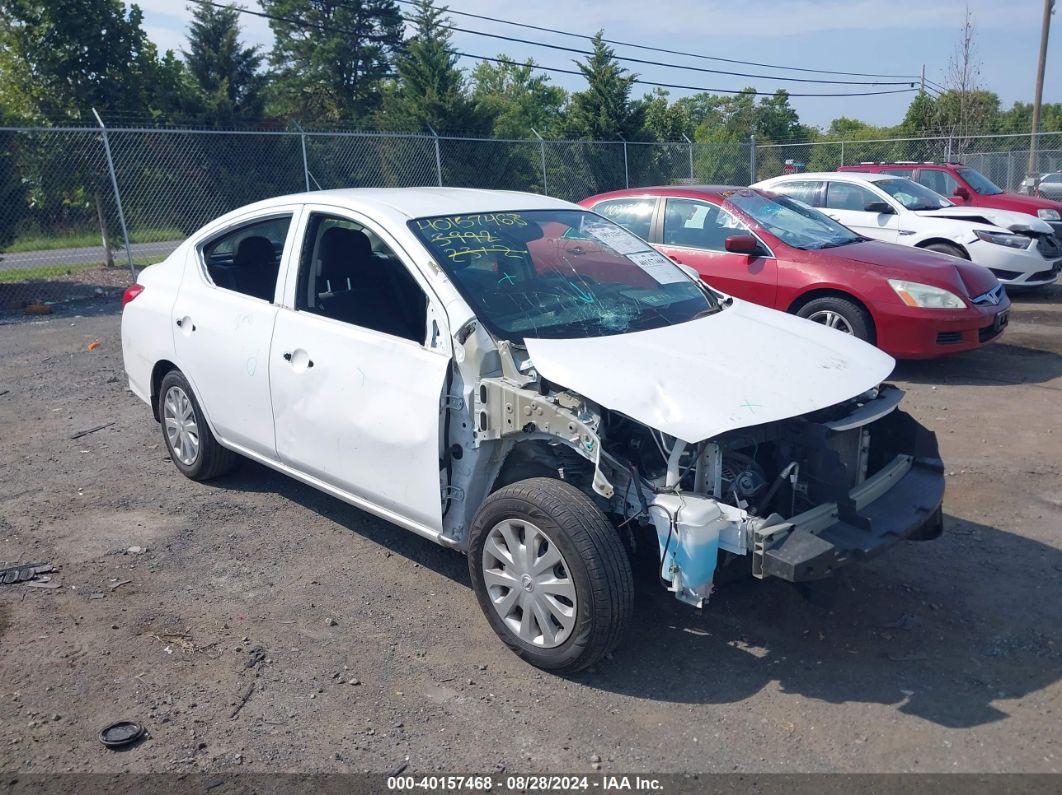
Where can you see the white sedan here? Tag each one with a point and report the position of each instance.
(1020, 250)
(526, 382)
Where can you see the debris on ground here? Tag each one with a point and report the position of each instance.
(122, 734)
(93, 345)
(243, 699)
(87, 431)
(23, 573)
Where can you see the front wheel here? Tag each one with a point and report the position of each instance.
(839, 313)
(550, 574)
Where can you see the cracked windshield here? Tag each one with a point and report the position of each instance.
(560, 274)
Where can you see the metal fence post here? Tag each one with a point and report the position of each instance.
(117, 195)
(438, 155)
(542, 154)
(305, 162)
(842, 152)
(752, 159)
(692, 178)
(626, 170)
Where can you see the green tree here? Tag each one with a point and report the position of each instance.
(332, 57)
(663, 120)
(516, 98)
(60, 58)
(225, 72)
(431, 89)
(604, 111)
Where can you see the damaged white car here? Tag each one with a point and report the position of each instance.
(522, 380)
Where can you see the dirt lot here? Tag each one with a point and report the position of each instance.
(268, 627)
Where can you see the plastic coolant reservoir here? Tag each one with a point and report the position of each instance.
(694, 543)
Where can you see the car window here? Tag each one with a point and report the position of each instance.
(247, 259)
(1052, 178)
(699, 224)
(847, 196)
(912, 195)
(634, 214)
(347, 273)
(938, 181)
(560, 274)
(791, 221)
(899, 172)
(804, 190)
(979, 182)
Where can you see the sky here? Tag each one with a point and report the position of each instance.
(870, 36)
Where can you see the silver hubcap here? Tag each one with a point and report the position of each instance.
(828, 317)
(529, 584)
(181, 429)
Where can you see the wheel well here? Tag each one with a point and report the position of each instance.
(157, 374)
(539, 458)
(943, 241)
(812, 295)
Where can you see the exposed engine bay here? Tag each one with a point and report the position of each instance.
(794, 498)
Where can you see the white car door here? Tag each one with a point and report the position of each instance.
(846, 202)
(357, 369)
(223, 321)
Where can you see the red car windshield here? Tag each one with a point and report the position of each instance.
(979, 182)
(791, 221)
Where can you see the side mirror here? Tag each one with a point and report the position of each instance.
(882, 208)
(961, 192)
(742, 244)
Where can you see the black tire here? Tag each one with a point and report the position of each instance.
(212, 460)
(947, 248)
(593, 554)
(854, 315)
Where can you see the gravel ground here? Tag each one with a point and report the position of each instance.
(266, 627)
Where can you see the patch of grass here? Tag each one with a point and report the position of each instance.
(47, 272)
(91, 239)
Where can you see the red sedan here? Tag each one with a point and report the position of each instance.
(778, 252)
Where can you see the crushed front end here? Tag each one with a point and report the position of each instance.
(794, 499)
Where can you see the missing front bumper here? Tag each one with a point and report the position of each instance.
(901, 501)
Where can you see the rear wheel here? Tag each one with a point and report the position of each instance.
(946, 248)
(550, 574)
(193, 448)
(839, 313)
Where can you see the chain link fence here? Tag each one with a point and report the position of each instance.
(81, 209)
(1004, 158)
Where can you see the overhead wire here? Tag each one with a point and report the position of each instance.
(664, 50)
(659, 84)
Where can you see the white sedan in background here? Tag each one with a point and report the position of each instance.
(520, 379)
(1020, 250)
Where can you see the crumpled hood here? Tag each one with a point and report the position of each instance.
(907, 262)
(1006, 219)
(743, 366)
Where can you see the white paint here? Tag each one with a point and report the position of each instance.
(914, 227)
(743, 366)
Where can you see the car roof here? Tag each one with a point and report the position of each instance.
(853, 176)
(421, 202)
(667, 190)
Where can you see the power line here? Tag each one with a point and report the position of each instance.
(696, 88)
(307, 24)
(664, 49)
(673, 65)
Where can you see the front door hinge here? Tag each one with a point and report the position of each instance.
(453, 402)
(453, 494)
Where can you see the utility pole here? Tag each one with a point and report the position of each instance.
(1032, 174)
(923, 90)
